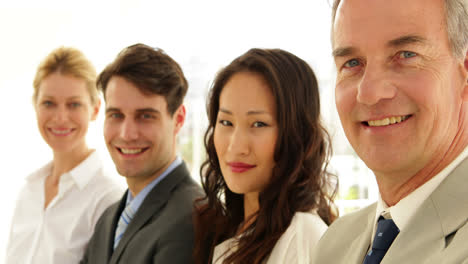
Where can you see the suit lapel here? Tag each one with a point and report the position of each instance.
(451, 203)
(152, 205)
(360, 245)
(443, 213)
(451, 199)
(111, 225)
(421, 236)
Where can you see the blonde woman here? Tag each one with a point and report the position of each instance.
(60, 203)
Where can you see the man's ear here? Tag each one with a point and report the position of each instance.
(95, 112)
(466, 60)
(464, 70)
(179, 117)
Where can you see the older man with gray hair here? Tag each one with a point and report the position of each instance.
(402, 97)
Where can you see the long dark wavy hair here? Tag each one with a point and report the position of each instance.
(300, 181)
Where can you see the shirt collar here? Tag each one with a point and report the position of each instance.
(403, 211)
(136, 201)
(80, 175)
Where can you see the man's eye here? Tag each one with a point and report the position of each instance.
(407, 54)
(146, 116)
(351, 63)
(115, 115)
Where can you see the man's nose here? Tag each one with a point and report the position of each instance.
(375, 85)
(129, 130)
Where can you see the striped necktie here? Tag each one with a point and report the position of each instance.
(124, 220)
(384, 236)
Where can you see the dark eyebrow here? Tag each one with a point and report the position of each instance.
(254, 112)
(149, 109)
(142, 110)
(260, 112)
(405, 40)
(342, 52)
(225, 111)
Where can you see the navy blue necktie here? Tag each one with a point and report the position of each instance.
(384, 236)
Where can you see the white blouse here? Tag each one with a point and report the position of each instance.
(295, 246)
(60, 233)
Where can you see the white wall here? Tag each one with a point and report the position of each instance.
(201, 35)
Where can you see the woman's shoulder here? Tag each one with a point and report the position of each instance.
(32, 186)
(105, 185)
(102, 185)
(223, 249)
(299, 240)
(305, 228)
(39, 173)
(309, 222)
(98, 177)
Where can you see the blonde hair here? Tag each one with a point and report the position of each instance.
(67, 61)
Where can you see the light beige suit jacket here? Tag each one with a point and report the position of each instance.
(438, 232)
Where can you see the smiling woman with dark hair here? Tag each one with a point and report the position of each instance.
(265, 176)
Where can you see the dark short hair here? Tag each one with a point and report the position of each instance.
(151, 70)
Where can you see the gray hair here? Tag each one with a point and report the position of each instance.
(456, 15)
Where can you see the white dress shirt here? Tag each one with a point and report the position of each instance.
(402, 212)
(295, 246)
(60, 233)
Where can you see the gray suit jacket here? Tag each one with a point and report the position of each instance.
(438, 232)
(160, 232)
